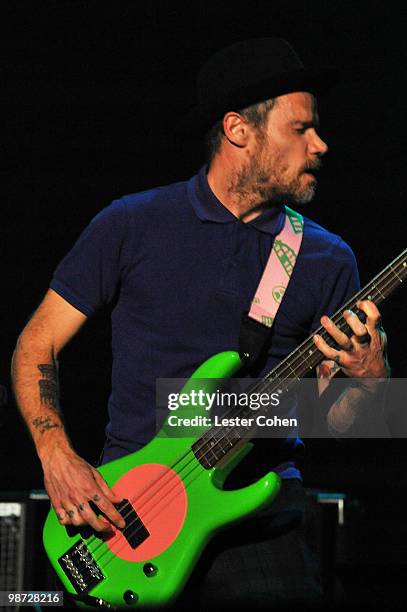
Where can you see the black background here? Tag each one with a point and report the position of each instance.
(91, 94)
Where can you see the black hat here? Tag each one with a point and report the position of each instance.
(248, 72)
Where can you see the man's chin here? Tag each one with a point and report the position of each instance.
(305, 196)
(296, 196)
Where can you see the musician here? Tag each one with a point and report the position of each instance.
(179, 265)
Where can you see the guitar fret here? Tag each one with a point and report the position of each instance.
(400, 279)
(381, 294)
(292, 370)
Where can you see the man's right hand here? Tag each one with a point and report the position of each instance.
(71, 484)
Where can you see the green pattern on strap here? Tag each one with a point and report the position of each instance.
(296, 220)
(267, 321)
(278, 292)
(286, 255)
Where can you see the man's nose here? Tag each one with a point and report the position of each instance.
(318, 146)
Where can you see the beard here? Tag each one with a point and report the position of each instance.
(293, 191)
(266, 178)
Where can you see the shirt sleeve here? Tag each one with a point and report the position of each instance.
(89, 275)
(340, 282)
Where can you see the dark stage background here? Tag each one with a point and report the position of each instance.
(91, 93)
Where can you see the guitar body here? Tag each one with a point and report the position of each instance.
(176, 506)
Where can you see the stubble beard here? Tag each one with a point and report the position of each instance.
(263, 179)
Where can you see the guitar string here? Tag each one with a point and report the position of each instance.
(217, 441)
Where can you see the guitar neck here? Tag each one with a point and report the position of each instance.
(214, 444)
(306, 356)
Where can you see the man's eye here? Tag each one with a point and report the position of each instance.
(300, 130)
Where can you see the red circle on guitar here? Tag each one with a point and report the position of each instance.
(158, 495)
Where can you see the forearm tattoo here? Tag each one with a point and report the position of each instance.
(48, 385)
(44, 424)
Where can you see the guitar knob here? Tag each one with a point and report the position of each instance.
(150, 570)
(130, 598)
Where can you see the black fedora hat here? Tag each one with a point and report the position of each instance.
(248, 72)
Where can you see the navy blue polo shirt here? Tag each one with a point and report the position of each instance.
(178, 269)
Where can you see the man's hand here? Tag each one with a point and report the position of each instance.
(71, 484)
(363, 354)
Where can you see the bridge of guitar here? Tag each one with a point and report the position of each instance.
(78, 563)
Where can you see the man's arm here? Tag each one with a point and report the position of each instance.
(70, 481)
(361, 357)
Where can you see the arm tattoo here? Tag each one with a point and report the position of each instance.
(326, 371)
(44, 425)
(48, 385)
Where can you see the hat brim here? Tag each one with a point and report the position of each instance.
(201, 118)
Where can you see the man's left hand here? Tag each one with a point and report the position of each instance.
(363, 354)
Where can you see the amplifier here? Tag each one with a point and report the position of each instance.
(23, 564)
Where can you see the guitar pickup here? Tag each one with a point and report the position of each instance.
(135, 531)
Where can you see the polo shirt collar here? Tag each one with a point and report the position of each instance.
(208, 208)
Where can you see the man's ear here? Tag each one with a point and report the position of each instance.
(236, 129)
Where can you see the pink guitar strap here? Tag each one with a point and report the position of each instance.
(278, 270)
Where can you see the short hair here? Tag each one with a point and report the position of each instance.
(256, 114)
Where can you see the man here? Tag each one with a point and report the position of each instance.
(179, 265)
